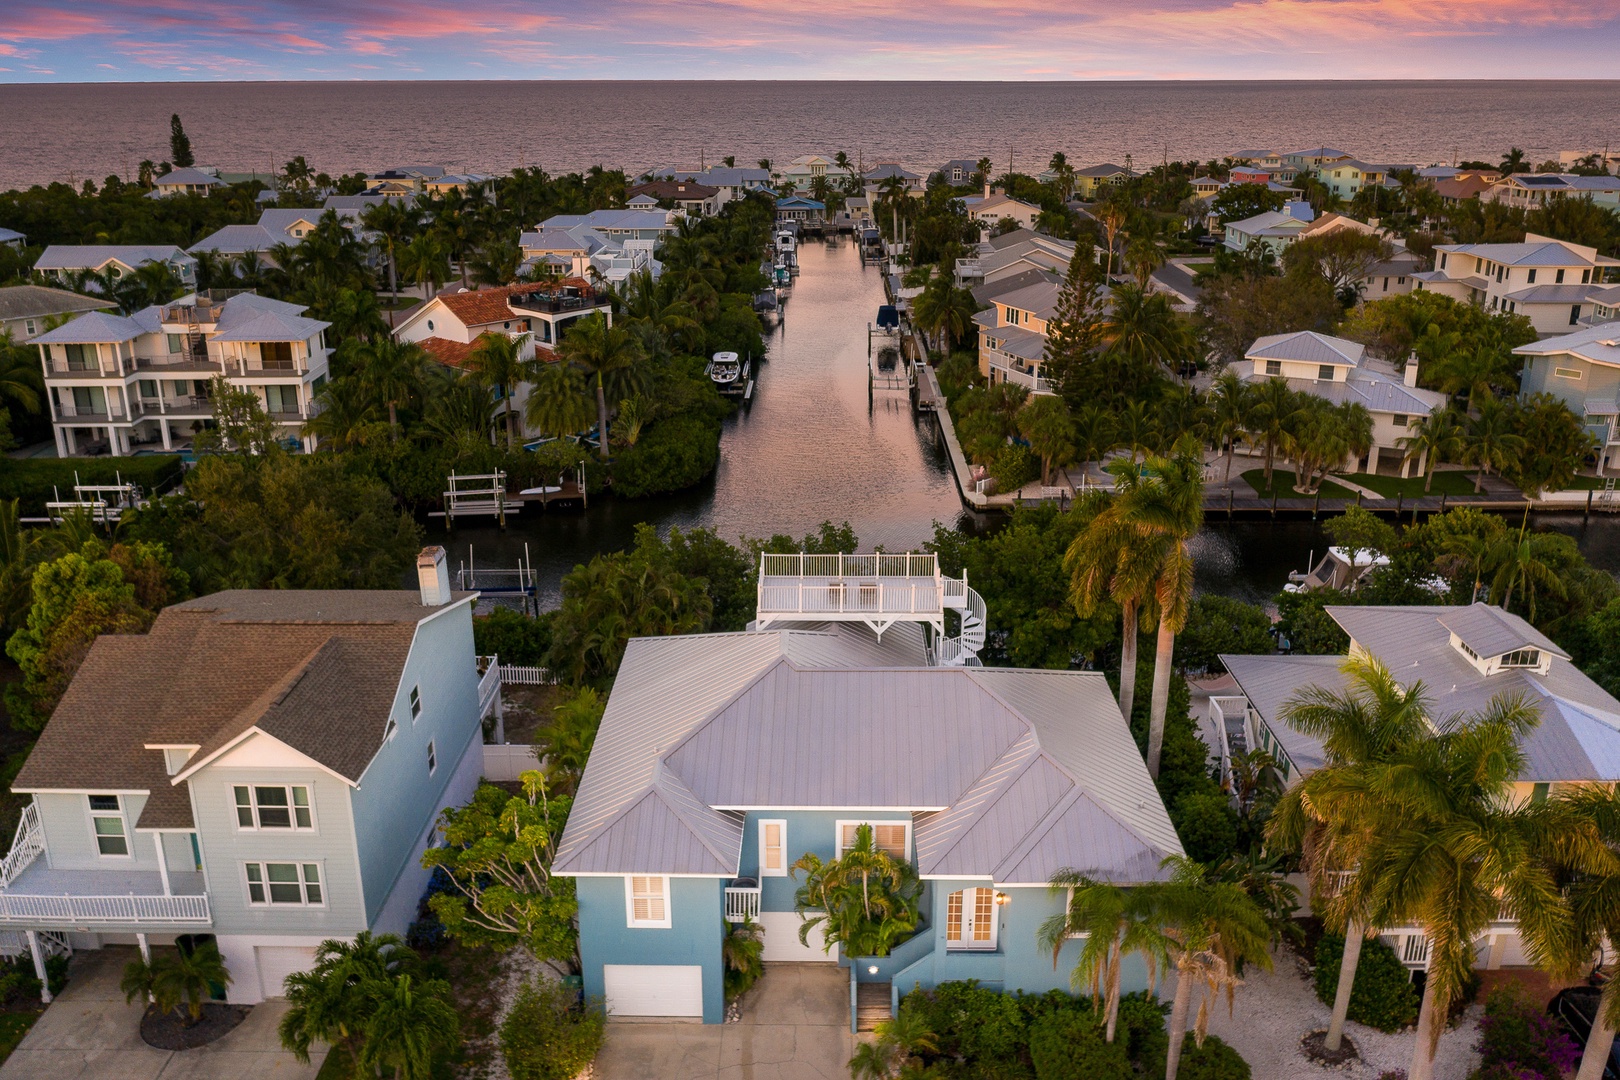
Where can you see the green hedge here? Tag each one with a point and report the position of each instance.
(670, 455)
(547, 1036)
(31, 480)
(1382, 997)
(1070, 1046)
(1212, 1061)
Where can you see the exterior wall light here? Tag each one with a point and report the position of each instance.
(871, 969)
(1002, 899)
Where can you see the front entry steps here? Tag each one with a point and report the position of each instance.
(871, 1005)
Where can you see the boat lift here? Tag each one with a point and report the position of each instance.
(501, 585)
(102, 503)
(477, 496)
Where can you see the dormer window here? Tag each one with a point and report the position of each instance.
(1522, 658)
(1324, 372)
(1273, 367)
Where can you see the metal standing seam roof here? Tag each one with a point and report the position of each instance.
(1039, 298)
(1598, 344)
(93, 327)
(1488, 630)
(1552, 294)
(36, 301)
(1015, 774)
(273, 326)
(236, 239)
(1307, 346)
(1530, 253)
(1578, 738)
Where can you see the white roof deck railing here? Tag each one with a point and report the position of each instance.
(874, 584)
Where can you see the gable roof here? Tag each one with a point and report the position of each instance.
(1014, 773)
(272, 326)
(187, 177)
(237, 239)
(1598, 344)
(679, 190)
(480, 307)
(316, 669)
(95, 256)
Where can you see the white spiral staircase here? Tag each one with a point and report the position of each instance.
(963, 649)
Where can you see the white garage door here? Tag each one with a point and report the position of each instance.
(276, 962)
(782, 938)
(653, 990)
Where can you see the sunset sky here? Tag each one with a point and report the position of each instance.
(117, 40)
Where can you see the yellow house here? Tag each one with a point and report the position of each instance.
(1012, 336)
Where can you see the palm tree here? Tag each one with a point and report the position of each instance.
(393, 372)
(1144, 330)
(20, 378)
(347, 415)
(392, 223)
(559, 399)
(1359, 728)
(1229, 396)
(497, 362)
(1044, 423)
(1112, 220)
(1164, 511)
(1474, 374)
(1273, 407)
(1138, 428)
(602, 351)
(1115, 922)
(1144, 257)
(1492, 442)
(1105, 561)
(1210, 930)
(899, 1040)
(187, 976)
(1526, 562)
(459, 410)
(1434, 438)
(411, 1022)
(425, 261)
(330, 1002)
(945, 311)
(1512, 162)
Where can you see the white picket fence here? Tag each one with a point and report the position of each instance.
(508, 761)
(526, 676)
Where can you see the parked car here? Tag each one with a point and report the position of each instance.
(1575, 1008)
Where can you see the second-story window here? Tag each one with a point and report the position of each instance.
(263, 806)
(107, 821)
(433, 758)
(1273, 367)
(1324, 372)
(283, 883)
(416, 702)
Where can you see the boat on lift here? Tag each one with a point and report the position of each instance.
(728, 372)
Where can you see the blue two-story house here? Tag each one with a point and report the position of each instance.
(723, 758)
(263, 767)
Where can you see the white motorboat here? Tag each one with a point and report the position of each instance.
(725, 369)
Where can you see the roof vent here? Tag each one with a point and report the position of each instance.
(433, 577)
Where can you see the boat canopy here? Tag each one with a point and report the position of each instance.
(888, 317)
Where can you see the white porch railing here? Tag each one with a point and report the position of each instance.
(76, 910)
(850, 598)
(489, 685)
(742, 903)
(871, 564)
(26, 846)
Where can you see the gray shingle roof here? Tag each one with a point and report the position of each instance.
(37, 301)
(1015, 774)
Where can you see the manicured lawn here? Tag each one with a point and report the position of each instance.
(1450, 482)
(1589, 483)
(1284, 482)
(13, 1026)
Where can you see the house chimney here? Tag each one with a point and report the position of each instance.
(987, 187)
(433, 576)
(1411, 370)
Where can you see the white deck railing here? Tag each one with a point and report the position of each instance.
(851, 598)
(177, 910)
(26, 846)
(742, 903)
(489, 686)
(868, 565)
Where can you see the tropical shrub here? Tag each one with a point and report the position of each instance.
(974, 1025)
(1208, 825)
(742, 952)
(670, 455)
(548, 1036)
(1220, 624)
(865, 900)
(1069, 1045)
(513, 636)
(1014, 467)
(1382, 996)
(1212, 1061)
(1519, 1041)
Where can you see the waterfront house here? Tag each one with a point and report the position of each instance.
(112, 261)
(959, 172)
(270, 780)
(25, 309)
(403, 181)
(1554, 283)
(1012, 335)
(693, 199)
(1462, 186)
(1089, 181)
(999, 258)
(185, 181)
(1581, 369)
(275, 226)
(1464, 656)
(1339, 371)
(878, 174)
(799, 208)
(1206, 187)
(724, 758)
(117, 384)
(732, 183)
(609, 244)
(13, 239)
(805, 168)
(993, 207)
(443, 185)
(1529, 191)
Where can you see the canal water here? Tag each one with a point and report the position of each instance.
(814, 446)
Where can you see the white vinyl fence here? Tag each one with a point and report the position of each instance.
(508, 761)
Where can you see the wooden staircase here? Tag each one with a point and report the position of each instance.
(871, 1005)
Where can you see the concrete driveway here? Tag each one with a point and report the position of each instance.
(89, 1033)
(795, 1026)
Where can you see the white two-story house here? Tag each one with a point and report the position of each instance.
(118, 383)
(1551, 282)
(263, 767)
(1464, 656)
(1340, 371)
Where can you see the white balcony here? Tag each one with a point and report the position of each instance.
(1020, 376)
(742, 903)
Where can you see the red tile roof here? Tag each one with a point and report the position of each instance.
(480, 307)
(454, 353)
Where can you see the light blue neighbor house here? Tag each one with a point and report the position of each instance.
(263, 768)
(723, 758)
